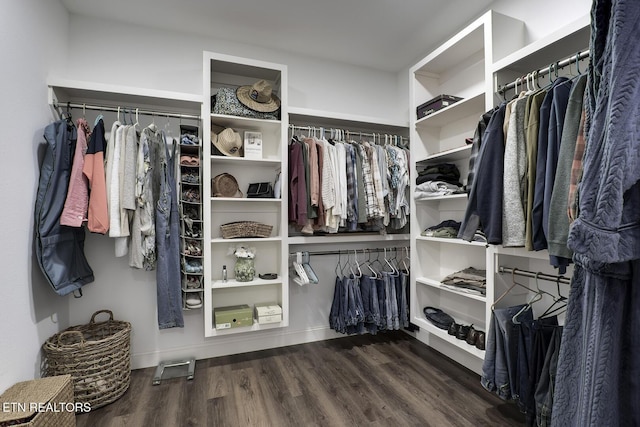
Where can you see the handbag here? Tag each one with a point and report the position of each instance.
(260, 190)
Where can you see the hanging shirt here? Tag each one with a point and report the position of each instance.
(77, 201)
(93, 169)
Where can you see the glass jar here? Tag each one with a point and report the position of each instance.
(244, 269)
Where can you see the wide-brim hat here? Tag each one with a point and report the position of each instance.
(259, 97)
(228, 142)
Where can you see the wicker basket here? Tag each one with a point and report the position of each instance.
(96, 355)
(234, 230)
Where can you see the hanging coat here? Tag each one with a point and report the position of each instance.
(59, 248)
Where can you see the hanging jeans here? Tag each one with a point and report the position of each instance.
(401, 293)
(598, 378)
(370, 303)
(545, 388)
(500, 361)
(169, 295)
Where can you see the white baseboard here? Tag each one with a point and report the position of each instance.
(233, 344)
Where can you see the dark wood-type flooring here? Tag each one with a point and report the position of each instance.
(390, 379)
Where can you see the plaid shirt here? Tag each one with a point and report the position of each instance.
(576, 172)
(352, 188)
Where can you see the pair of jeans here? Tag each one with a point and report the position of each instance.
(391, 301)
(168, 283)
(545, 388)
(500, 362)
(402, 281)
(370, 303)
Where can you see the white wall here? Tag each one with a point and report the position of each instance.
(33, 40)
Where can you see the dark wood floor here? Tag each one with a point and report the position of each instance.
(389, 379)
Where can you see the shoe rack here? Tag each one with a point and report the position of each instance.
(191, 238)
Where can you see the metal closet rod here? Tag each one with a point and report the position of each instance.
(328, 129)
(542, 71)
(63, 105)
(533, 274)
(351, 251)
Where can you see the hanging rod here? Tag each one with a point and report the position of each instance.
(532, 274)
(325, 129)
(63, 105)
(351, 251)
(543, 71)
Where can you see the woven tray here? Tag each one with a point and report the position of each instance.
(96, 355)
(234, 230)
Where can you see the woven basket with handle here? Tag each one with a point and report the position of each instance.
(96, 355)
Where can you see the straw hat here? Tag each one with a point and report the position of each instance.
(228, 142)
(259, 97)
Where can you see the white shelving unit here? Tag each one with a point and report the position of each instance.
(461, 67)
(271, 253)
(487, 54)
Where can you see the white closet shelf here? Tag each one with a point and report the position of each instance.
(521, 252)
(246, 200)
(461, 109)
(450, 197)
(246, 239)
(245, 122)
(63, 90)
(565, 41)
(452, 241)
(438, 285)
(223, 160)
(307, 116)
(219, 284)
(255, 327)
(346, 238)
(442, 334)
(452, 155)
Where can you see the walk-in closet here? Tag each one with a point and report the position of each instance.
(285, 213)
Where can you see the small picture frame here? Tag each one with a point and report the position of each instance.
(252, 145)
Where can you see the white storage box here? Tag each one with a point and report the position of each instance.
(268, 313)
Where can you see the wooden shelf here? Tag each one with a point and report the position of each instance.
(255, 327)
(223, 160)
(453, 155)
(246, 239)
(450, 197)
(245, 122)
(451, 241)
(346, 238)
(461, 109)
(219, 284)
(245, 200)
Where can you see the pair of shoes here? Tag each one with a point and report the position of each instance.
(438, 317)
(192, 248)
(193, 300)
(476, 338)
(192, 282)
(459, 331)
(193, 266)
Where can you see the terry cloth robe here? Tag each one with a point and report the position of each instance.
(598, 377)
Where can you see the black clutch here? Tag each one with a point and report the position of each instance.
(260, 190)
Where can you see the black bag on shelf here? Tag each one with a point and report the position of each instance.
(260, 190)
(438, 317)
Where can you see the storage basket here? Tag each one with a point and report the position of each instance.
(96, 355)
(238, 229)
(43, 402)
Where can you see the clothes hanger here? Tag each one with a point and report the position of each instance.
(561, 299)
(367, 263)
(513, 285)
(537, 297)
(355, 259)
(393, 270)
(311, 275)
(302, 278)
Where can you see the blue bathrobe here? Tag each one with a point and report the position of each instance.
(598, 377)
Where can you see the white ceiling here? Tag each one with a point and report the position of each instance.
(387, 35)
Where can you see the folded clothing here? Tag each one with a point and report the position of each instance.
(436, 189)
(447, 172)
(187, 160)
(469, 279)
(447, 228)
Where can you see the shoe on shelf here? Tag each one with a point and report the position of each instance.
(472, 336)
(453, 329)
(463, 331)
(193, 300)
(480, 341)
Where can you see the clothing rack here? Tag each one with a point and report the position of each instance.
(534, 275)
(70, 105)
(547, 70)
(352, 251)
(398, 139)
